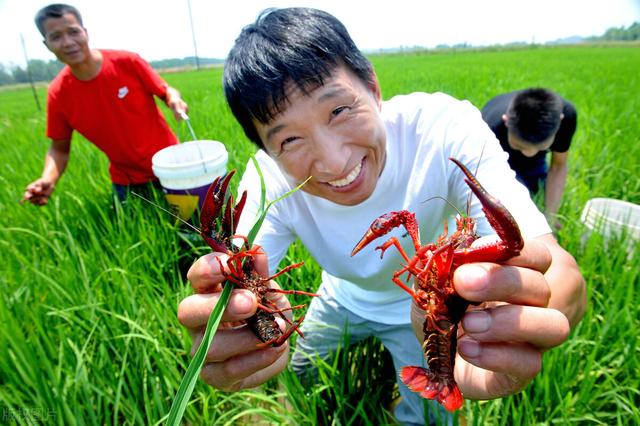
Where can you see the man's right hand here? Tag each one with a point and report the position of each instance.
(233, 361)
(38, 192)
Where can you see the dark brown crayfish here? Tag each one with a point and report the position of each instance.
(218, 223)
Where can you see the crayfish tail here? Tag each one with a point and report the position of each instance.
(422, 381)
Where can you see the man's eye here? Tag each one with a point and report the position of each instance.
(288, 141)
(338, 110)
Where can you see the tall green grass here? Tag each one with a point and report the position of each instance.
(89, 291)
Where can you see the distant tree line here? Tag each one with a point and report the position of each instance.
(40, 71)
(632, 33)
(46, 70)
(189, 61)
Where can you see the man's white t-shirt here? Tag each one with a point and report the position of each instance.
(423, 131)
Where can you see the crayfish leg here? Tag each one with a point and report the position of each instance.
(403, 286)
(298, 292)
(393, 241)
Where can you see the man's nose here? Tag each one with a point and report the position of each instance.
(66, 39)
(329, 154)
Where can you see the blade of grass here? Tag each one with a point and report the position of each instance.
(263, 188)
(263, 214)
(191, 376)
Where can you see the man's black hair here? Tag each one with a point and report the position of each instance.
(294, 45)
(55, 11)
(534, 114)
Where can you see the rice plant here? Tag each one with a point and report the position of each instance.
(90, 289)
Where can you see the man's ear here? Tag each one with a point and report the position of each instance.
(505, 120)
(374, 86)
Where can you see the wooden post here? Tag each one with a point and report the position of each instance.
(33, 87)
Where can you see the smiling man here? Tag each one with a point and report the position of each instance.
(529, 124)
(310, 100)
(108, 97)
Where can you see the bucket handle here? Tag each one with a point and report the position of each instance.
(185, 118)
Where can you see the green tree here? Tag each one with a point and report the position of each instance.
(631, 33)
(5, 76)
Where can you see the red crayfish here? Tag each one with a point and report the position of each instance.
(432, 267)
(218, 223)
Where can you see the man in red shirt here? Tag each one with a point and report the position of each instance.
(108, 97)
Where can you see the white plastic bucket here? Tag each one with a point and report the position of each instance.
(613, 218)
(187, 170)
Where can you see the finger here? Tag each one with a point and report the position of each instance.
(227, 343)
(230, 342)
(194, 311)
(480, 383)
(31, 193)
(541, 327)
(205, 273)
(514, 359)
(247, 370)
(261, 261)
(534, 255)
(478, 282)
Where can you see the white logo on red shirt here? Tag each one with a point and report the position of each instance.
(122, 92)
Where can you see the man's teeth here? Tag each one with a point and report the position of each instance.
(350, 177)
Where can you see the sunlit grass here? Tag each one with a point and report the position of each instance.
(89, 293)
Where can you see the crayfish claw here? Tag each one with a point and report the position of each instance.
(498, 216)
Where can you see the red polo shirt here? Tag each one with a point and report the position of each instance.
(116, 111)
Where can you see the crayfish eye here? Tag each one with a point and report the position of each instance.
(378, 225)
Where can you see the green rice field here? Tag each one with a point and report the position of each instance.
(89, 291)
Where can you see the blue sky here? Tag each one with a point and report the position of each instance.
(159, 29)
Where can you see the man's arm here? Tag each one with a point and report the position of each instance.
(55, 163)
(556, 180)
(175, 103)
(158, 87)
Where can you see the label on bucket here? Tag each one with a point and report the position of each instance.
(183, 204)
(185, 201)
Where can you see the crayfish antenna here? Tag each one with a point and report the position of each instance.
(166, 211)
(453, 206)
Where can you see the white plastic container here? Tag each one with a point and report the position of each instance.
(187, 170)
(613, 218)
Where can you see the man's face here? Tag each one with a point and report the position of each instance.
(528, 149)
(67, 39)
(334, 134)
